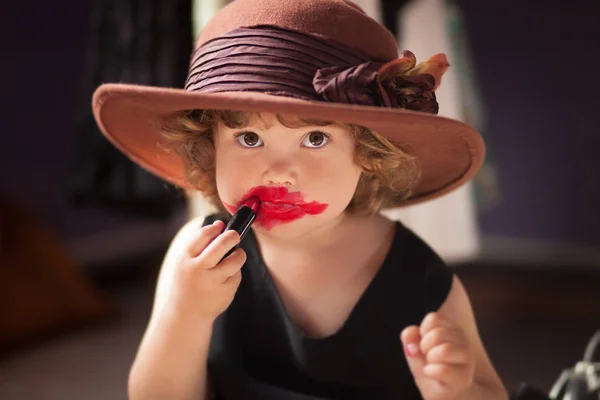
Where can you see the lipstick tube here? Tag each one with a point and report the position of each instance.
(242, 220)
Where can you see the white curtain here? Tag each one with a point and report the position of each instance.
(202, 12)
(372, 8)
(448, 224)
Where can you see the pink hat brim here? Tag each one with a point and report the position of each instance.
(449, 152)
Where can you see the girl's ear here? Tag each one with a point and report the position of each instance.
(369, 165)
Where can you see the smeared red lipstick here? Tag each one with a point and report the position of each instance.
(278, 205)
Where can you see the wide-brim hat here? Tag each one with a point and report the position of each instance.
(321, 59)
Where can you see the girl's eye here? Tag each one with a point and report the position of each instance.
(248, 139)
(315, 139)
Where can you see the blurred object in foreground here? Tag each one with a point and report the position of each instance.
(582, 382)
(41, 290)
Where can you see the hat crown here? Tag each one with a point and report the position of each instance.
(341, 21)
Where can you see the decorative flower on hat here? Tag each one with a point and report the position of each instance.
(398, 84)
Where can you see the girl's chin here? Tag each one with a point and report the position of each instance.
(295, 228)
(274, 227)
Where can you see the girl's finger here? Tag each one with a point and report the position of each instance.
(229, 266)
(216, 250)
(203, 236)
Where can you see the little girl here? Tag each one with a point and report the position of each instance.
(305, 106)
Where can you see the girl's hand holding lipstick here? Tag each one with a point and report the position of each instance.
(201, 272)
(203, 286)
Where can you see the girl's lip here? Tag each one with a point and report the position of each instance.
(275, 196)
(279, 207)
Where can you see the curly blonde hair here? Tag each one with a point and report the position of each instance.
(388, 173)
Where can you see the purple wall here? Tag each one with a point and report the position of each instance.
(41, 69)
(538, 70)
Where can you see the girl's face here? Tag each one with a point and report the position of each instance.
(305, 177)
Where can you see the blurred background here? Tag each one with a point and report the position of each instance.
(83, 230)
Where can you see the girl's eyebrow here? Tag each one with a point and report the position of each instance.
(307, 128)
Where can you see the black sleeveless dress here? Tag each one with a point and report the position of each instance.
(256, 352)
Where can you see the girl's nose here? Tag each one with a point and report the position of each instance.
(280, 173)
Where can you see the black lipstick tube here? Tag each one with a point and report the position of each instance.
(240, 222)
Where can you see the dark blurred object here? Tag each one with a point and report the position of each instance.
(130, 41)
(41, 289)
(581, 382)
(390, 9)
(528, 392)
